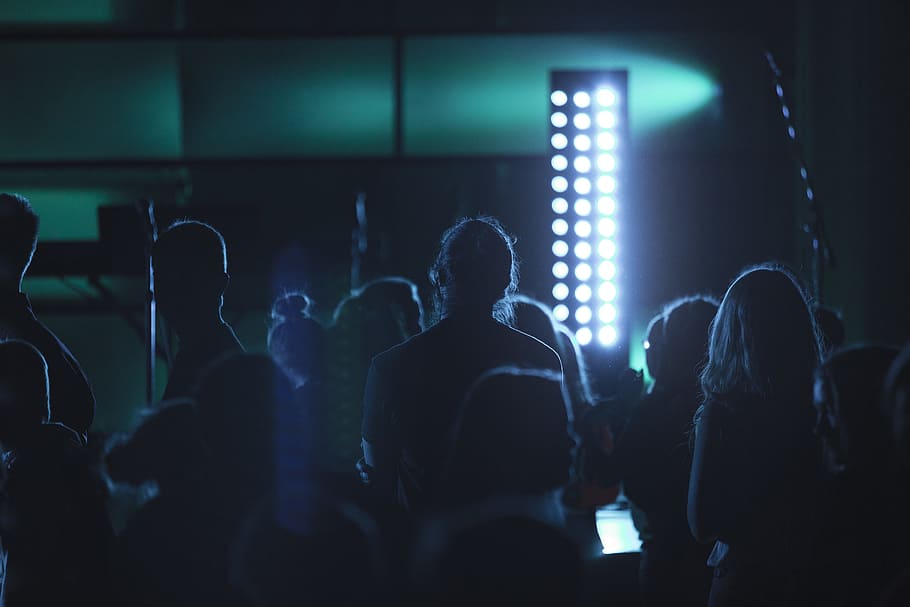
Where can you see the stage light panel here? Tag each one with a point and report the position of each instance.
(589, 123)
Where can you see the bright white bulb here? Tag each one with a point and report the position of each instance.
(606, 227)
(559, 162)
(560, 248)
(584, 336)
(561, 312)
(560, 227)
(582, 164)
(581, 99)
(606, 163)
(605, 97)
(606, 141)
(560, 269)
(581, 121)
(606, 291)
(560, 184)
(606, 270)
(560, 291)
(583, 293)
(606, 205)
(583, 229)
(582, 185)
(559, 120)
(606, 119)
(607, 313)
(583, 207)
(582, 249)
(560, 205)
(559, 141)
(606, 184)
(583, 272)
(607, 335)
(582, 143)
(606, 249)
(558, 98)
(583, 315)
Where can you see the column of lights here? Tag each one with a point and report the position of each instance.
(586, 121)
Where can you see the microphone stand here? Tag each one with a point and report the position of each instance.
(822, 253)
(146, 209)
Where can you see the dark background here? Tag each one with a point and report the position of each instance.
(269, 118)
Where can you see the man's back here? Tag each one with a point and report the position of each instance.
(414, 391)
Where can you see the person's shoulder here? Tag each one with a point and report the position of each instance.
(415, 347)
(533, 351)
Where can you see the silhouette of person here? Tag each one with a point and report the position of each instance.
(297, 342)
(864, 482)
(415, 389)
(53, 517)
(511, 437)
(190, 264)
(72, 400)
(652, 456)
(756, 464)
(176, 550)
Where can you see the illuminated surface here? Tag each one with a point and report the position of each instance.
(616, 532)
(588, 229)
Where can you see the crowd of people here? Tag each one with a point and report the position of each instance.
(449, 456)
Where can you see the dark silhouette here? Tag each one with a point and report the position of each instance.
(533, 318)
(414, 390)
(501, 559)
(296, 341)
(72, 401)
(853, 565)
(176, 551)
(371, 319)
(336, 562)
(896, 407)
(897, 404)
(53, 518)
(190, 262)
(652, 456)
(511, 436)
(755, 465)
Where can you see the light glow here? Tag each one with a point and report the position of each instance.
(558, 98)
(559, 120)
(584, 336)
(560, 205)
(560, 227)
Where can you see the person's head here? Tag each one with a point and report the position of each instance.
(18, 238)
(24, 391)
(190, 263)
(400, 296)
(653, 345)
(241, 400)
(475, 269)
(896, 403)
(494, 451)
(763, 344)
(684, 340)
(848, 392)
(296, 341)
(382, 313)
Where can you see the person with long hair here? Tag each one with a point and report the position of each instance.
(414, 390)
(755, 468)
